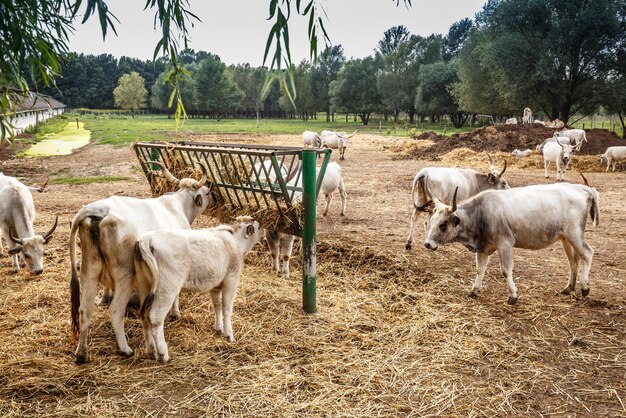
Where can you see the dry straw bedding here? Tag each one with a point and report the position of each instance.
(395, 334)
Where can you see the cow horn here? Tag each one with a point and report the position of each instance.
(491, 166)
(352, 134)
(47, 234)
(15, 240)
(584, 179)
(205, 174)
(165, 171)
(503, 169)
(454, 199)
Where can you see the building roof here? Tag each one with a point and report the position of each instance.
(36, 102)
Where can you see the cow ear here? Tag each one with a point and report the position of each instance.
(455, 220)
(249, 230)
(198, 200)
(491, 178)
(15, 250)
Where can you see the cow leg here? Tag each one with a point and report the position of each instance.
(117, 311)
(585, 253)
(505, 254)
(546, 166)
(482, 259)
(273, 241)
(147, 327)
(573, 259)
(344, 195)
(229, 289)
(160, 307)
(174, 313)
(329, 198)
(285, 250)
(216, 299)
(409, 239)
(89, 285)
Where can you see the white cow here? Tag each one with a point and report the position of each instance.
(531, 217)
(202, 260)
(311, 139)
(511, 121)
(281, 244)
(336, 140)
(520, 154)
(613, 155)
(444, 180)
(577, 135)
(561, 155)
(17, 214)
(528, 115)
(108, 230)
(561, 139)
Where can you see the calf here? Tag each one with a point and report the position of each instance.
(17, 214)
(281, 244)
(531, 217)
(202, 260)
(511, 121)
(520, 154)
(443, 181)
(613, 155)
(555, 152)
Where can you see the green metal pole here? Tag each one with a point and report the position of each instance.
(309, 250)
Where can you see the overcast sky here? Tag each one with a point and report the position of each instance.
(237, 30)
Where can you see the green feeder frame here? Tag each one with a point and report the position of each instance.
(254, 177)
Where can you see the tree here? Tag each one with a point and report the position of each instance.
(392, 40)
(457, 34)
(322, 74)
(130, 93)
(552, 55)
(355, 89)
(614, 91)
(214, 90)
(433, 94)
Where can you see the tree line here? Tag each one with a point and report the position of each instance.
(561, 58)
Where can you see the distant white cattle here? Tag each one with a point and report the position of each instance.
(311, 139)
(519, 153)
(613, 155)
(336, 140)
(561, 155)
(577, 135)
(511, 121)
(528, 115)
(561, 139)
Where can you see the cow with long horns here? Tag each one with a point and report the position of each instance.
(336, 140)
(108, 230)
(444, 180)
(17, 214)
(531, 217)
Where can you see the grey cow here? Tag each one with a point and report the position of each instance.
(531, 217)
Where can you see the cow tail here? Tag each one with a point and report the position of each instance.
(144, 259)
(74, 283)
(595, 207)
(419, 180)
(318, 141)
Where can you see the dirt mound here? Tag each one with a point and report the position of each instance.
(506, 138)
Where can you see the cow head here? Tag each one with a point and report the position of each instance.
(566, 153)
(248, 232)
(202, 195)
(495, 178)
(32, 248)
(602, 158)
(443, 225)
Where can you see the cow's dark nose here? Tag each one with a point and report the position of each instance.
(427, 245)
(38, 272)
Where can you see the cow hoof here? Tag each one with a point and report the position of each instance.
(585, 292)
(174, 317)
(324, 214)
(342, 214)
(164, 358)
(408, 246)
(125, 353)
(230, 339)
(82, 359)
(472, 294)
(566, 291)
(511, 300)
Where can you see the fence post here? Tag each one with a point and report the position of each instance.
(309, 249)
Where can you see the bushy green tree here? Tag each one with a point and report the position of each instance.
(321, 74)
(433, 94)
(130, 93)
(356, 90)
(214, 90)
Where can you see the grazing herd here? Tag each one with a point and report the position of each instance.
(147, 245)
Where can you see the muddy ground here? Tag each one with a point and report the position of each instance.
(395, 333)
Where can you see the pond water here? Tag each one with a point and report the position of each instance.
(60, 143)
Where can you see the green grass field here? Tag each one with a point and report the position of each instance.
(119, 129)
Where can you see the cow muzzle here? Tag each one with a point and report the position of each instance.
(430, 245)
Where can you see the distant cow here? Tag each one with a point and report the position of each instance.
(444, 181)
(519, 153)
(311, 139)
(17, 214)
(561, 155)
(531, 217)
(511, 121)
(561, 139)
(578, 136)
(528, 115)
(613, 155)
(200, 260)
(336, 140)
